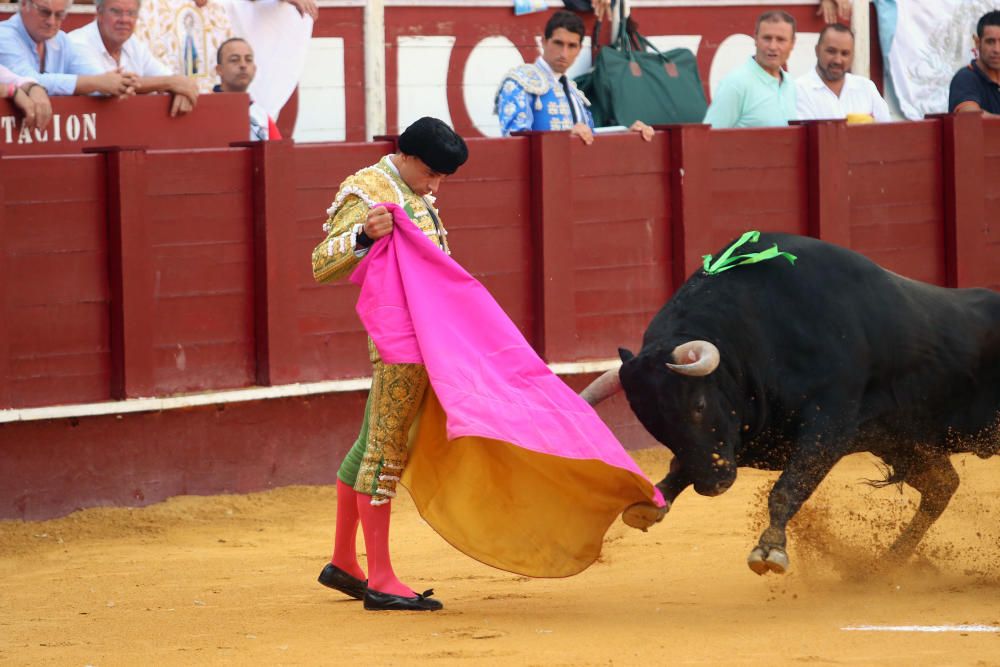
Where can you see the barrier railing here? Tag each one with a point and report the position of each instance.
(147, 272)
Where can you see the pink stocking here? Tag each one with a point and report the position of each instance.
(375, 524)
(345, 550)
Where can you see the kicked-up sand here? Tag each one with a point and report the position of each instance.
(231, 580)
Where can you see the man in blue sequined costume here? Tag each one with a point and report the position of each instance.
(540, 96)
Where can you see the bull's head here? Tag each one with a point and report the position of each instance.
(678, 398)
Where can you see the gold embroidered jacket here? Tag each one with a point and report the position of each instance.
(337, 255)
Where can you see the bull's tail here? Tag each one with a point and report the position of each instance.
(891, 475)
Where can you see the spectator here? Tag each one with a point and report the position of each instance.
(109, 40)
(32, 45)
(236, 69)
(977, 86)
(829, 90)
(835, 11)
(759, 93)
(28, 97)
(539, 95)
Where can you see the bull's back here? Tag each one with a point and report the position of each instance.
(836, 327)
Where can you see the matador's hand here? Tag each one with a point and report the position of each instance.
(379, 223)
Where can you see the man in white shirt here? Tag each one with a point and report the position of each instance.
(829, 90)
(109, 40)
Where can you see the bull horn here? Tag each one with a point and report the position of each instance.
(608, 384)
(703, 356)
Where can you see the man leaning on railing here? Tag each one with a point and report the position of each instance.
(32, 45)
(109, 40)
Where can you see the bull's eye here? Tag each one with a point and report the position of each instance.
(698, 409)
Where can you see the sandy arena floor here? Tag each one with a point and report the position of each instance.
(231, 580)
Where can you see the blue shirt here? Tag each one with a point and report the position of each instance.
(63, 62)
(531, 97)
(750, 97)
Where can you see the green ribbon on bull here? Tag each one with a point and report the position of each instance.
(728, 261)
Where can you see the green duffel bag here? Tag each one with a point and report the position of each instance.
(631, 80)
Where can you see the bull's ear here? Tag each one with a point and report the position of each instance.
(625, 354)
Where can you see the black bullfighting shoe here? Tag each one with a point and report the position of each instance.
(335, 578)
(376, 601)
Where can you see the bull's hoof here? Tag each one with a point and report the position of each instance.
(643, 515)
(763, 560)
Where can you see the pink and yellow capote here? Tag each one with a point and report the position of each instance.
(506, 462)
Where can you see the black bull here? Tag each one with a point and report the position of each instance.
(791, 368)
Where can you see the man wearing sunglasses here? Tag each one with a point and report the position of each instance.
(32, 45)
(110, 41)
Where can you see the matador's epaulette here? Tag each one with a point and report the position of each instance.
(528, 77)
(372, 185)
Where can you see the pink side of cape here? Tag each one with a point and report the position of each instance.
(419, 306)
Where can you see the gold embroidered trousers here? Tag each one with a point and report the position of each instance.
(377, 459)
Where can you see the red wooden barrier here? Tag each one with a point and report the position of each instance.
(201, 249)
(991, 202)
(56, 296)
(137, 272)
(618, 242)
(179, 271)
(79, 123)
(486, 206)
(896, 187)
(331, 340)
(759, 181)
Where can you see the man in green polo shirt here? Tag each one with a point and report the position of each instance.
(759, 93)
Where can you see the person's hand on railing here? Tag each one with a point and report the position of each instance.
(43, 105)
(583, 131)
(36, 98)
(645, 130)
(180, 105)
(24, 104)
(185, 95)
(835, 10)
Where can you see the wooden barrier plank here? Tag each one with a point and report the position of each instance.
(760, 148)
(324, 166)
(202, 255)
(886, 143)
(692, 205)
(966, 240)
(130, 275)
(551, 180)
(6, 292)
(758, 180)
(276, 268)
(617, 155)
(85, 122)
(827, 168)
(896, 182)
